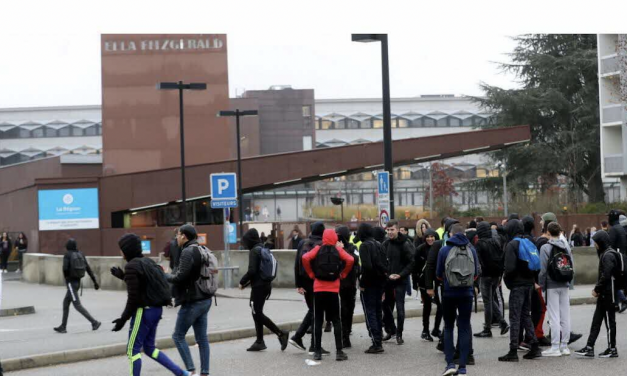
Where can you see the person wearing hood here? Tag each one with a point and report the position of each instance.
(304, 286)
(373, 276)
(441, 230)
(260, 292)
(379, 234)
(420, 264)
(610, 272)
(330, 264)
(457, 301)
(195, 304)
(520, 280)
(421, 229)
(348, 286)
(448, 224)
(471, 232)
(618, 241)
(400, 255)
(490, 255)
(144, 314)
(74, 267)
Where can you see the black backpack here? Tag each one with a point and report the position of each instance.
(307, 245)
(78, 265)
(158, 292)
(328, 264)
(268, 265)
(560, 267)
(379, 257)
(496, 254)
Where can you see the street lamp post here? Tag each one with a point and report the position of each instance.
(237, 114)
(180, 86)
(387, 113)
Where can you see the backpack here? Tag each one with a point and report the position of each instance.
(327, 265)
(528, 252)
(158, 292)
(459, 267)
(560, 267)
(78, 265)
(208, 280)
(496, 253)
(618, 278)
(307, 246)
(267, 266)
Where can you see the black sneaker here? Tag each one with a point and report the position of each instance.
(322, 351)
(609, 353)
(436, 333)
(317, 355)
(346, 343)
(587, 351)
(387, 337)
(574, 337)
(622, 307)
(511, 356)
(534, 353)
(399, 340)
(283, 339)
(440, 346)
(504, 329)
(96, 325)
(374, 350)
(470, 361)
(257, 346)
(298, 343)
(484, 334)
(60, 329)
(327, 328)
(426, 337)
(544, 342)
(340, 355)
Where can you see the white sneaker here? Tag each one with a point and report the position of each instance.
(18, 271)
(565, 351)
(552, 352)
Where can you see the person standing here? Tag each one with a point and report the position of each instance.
(400, 255)
(148, 292)
(296, 236)
(194, 302)
(259, 293)
(21, 244)
(331, 263)
(74, 267)
(618, 241)
(420, 264)
(5, 252)
(348, 286)
(173, 252)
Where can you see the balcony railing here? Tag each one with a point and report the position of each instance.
(609, 64)
(614, 164)
(613, 114)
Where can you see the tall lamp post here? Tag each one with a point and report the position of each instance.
(237, 114)
(180, 86)
(387, 114)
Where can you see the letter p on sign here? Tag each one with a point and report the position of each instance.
(223, 186)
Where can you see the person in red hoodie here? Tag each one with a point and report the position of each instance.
(326, 264)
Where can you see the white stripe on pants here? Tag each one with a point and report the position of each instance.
(558, 308)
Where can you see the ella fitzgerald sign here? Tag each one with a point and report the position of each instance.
(195, 43)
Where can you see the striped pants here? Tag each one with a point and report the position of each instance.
(142, 335)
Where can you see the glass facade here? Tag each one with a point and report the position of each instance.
(49, 132)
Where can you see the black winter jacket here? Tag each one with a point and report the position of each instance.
(400, 254)
(420, 260)
(486, 246)
(618, 237)
(373, 265)
(301, 279)
(516, 271)
(67, 266)
(432, 262)
(609, 266)
(135, 287)
(252, 275)
(185, 289)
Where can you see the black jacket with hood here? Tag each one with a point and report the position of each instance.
(130, 245)
(301, 279)
(420, 258)
(486, 247)
(618, 237)
(252, 242)
(344, 235)
(400, 254)
(609, 266)
(185, 289)
(70, 247)
(516, 271)
(373, 262)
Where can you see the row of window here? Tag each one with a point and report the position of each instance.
(19, 158)
(67, 131)
(425, 121)
(406, 174)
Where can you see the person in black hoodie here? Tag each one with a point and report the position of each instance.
(371, 283)
(490, 255)
(399, 251)
(304, 286)
(420, 263)
(604, 290)
(520, 280)
(379, 234)
(432, 285)
(618, 241)
(348, 286)
(260, 292)
(74, 267)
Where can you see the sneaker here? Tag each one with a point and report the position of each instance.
(346, 343)
(298, 343)
(544, 342)
(504, 329)
(375, 350)
(387, 337)
(470, 361)
(450, 370)
(60, 329)
(436, 333)
(327, 328)
(322, 351)
(534, 353)
(317, 355)
(623, 307)
(18, 271)
(524, 347)
(574, 337)
(257, 346)
(483, 334)
(511, 356)
(399, 340)
(587, 351)
(552, 352)
(426, 337)
(283, 339)
(609, 353)
(96, 325)
(340, 355)
(440, 346)
(461, 371)
(565, 351)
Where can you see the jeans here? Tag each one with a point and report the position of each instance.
(492, 309)
(394, 295)
(371, 301)
(308, 319)
(71, 297)
(605, 311)
(347, 309)
(427, 302)
(558, 307)
(4, 259)
(460, 309)
(193, 314)
(520, 316)
(258, 297)
(327, 304)
(141, 335)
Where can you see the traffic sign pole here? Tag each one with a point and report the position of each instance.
(227, 247)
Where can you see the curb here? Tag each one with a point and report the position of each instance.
(93, 353)
(17, 311)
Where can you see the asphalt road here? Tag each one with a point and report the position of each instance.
(415, 357)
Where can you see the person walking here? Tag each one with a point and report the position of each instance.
(348, 286)
(75, 266)
(609, 280)
(21, 244)
(330, 264)
(259, 293)
(420, 264)
(556, 273)
(5, 252)
(148, 292)
(194, 302)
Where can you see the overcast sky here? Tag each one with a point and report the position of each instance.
(50, 52)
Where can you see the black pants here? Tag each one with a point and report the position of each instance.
(347, 298)
(4, 259)
(258, 297)
(71, 297)
(492, 309)
(327, 303)
(520, 316)
(308, 319)
(427, 303)
(605, 311)
(394, 296)
(371, 301)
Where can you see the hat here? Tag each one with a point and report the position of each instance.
(130, 245)
(549, 217)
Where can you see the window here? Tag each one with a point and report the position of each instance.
(99, 129)
(50, 132)
(367, 176)
(38, 132)
(454, 122)
(442, 122)
(468, 122)
(317, 123)
(366, 123)
(377, 124)
(306, 111)
(403, 123)
(428, 122)
(326, 124)
(353, 124)
(340, 124)
(417, 123)
(90, 131)
(402, 174)
(76, 131)
(64, 132)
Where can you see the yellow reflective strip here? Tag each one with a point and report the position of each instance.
(155, 354)
(137, 324)
(136, 356)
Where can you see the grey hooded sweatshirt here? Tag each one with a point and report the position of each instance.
(544, 279)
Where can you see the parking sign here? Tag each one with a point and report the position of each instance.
(224, 186)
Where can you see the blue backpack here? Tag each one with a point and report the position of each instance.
(527, 251)
(267, 266)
